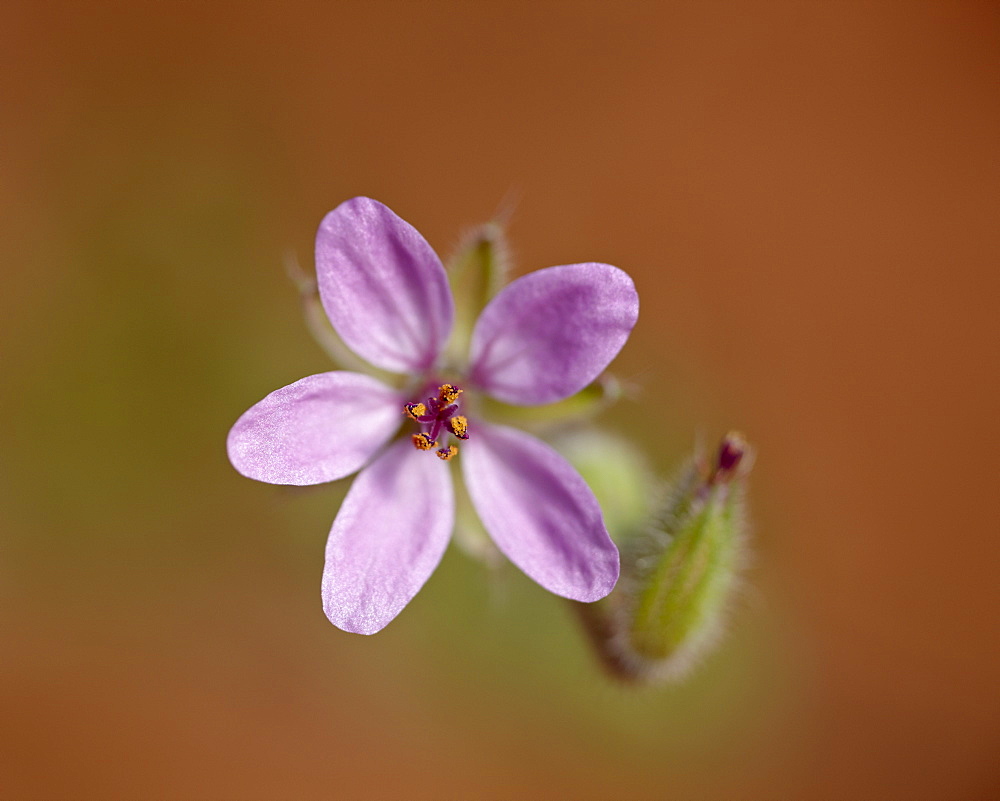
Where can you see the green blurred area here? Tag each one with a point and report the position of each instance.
(163, 631)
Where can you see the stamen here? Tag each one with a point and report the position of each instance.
(448, 393)
(459, 426)
(422, 442)
(415, 410)
(437, 416)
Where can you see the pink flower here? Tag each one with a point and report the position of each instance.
(542, 338)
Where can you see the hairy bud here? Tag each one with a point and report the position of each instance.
(679, 575)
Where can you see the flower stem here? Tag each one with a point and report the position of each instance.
(595, 618)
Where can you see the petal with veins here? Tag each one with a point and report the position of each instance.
(389, 535)
(540, 512)
(320, 428)
(382, 286)
(550, 333)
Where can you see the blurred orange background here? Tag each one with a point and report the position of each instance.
(806, 195)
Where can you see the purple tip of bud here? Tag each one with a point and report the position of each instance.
(729, 455)
(731, 452)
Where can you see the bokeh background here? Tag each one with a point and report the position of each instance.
(807, 197)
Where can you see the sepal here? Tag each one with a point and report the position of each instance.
(477, 271)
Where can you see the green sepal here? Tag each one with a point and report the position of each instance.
(470, 535)
(323, 332)
(476, 272)
(584, 405)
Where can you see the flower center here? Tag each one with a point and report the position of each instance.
(438, 415)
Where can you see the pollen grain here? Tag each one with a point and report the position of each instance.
(414, 410)
(448, 393)
(422, 442)
(447, 453)
(459, 426)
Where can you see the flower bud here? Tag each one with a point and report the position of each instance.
(679, 575)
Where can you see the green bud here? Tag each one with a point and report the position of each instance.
(476, 272)
(678, 576)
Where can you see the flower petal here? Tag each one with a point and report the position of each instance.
(551, 332)
(540, 512)
(382, 286)
(389, 535)
(318, 429)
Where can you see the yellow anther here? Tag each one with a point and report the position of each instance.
(459, 426)
(414, 410)
(448, 393)
(447, 453)
(422, 442)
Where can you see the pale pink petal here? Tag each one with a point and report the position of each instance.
(389, 535)
(539, 512)
(382, 287)
(318, 429)
(551, 332)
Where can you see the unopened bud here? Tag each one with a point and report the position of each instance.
(679, 576)
(731, 452)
